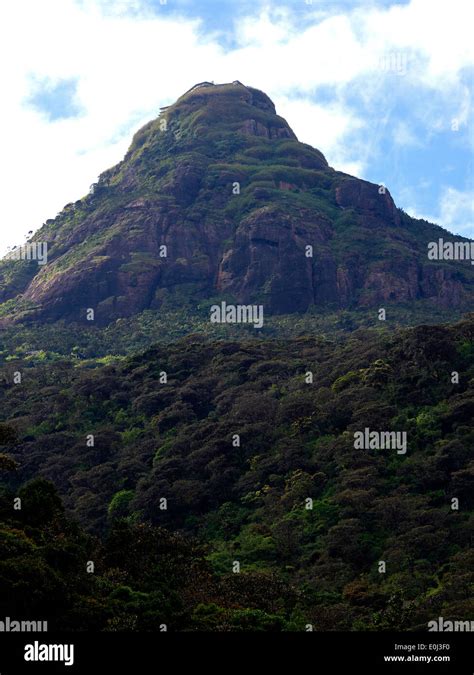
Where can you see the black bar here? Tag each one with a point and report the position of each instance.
(223, 652)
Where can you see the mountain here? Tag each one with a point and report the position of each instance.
(168, 461)
(216, 198)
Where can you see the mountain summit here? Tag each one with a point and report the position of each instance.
(217, 198)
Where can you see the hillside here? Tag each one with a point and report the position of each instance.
(164, 425)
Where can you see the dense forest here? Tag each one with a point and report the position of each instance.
(214, 484)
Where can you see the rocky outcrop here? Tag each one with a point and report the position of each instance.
(373, 202)
(217, 196)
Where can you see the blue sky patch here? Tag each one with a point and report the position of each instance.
(56, 100)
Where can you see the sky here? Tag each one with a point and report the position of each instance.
(384, 89)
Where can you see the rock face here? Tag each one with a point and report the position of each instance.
(218, 197)
(373, 202)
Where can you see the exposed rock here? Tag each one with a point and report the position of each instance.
(295, 234)
(373, 201)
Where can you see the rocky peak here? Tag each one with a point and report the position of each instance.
(218, 197)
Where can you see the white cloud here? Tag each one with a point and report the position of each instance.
(128, 62)
(404, 136)
(325, 127)
(438, 33)
(126, 69)
(455, 211)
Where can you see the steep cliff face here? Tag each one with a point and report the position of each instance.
(218, 197)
